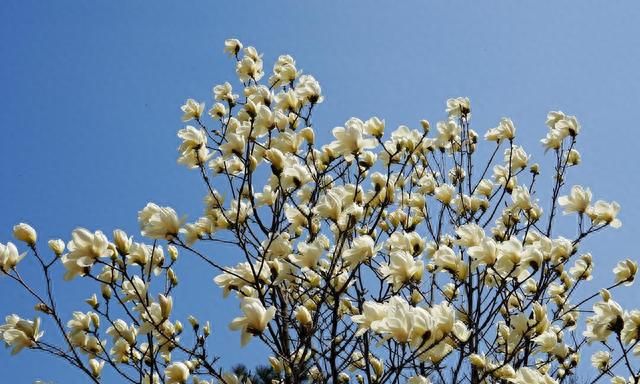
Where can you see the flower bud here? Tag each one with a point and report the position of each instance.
(57, 246)
(106, 291)
(478, 361)
(173, 252)
(303, 316)
(374, 126)
(308, 134)
(166, 305)
(378, 366)
(92, 301)
(573, 157)
(95, 319)
(44, 308)
(277, 160)
(425, 125)
(535, 169)
(122, 241)
(171, 275)
(24, 232)
(194, 322)
(96, 367)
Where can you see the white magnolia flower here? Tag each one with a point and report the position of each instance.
(193, 150)
(24, 232)
(284, 71)
(350, 140)
(517, 157)
(84, 249)
(57, 246)
(631, 330)
(603, 212)
(309, 253)
(303, 315)
(578, 200)
(398, 321)
(177, 373)
(601, 360)
(362, 249)
(445, 258)
(232, 46)
(372, 314)
(444, 193)
(250, 66)
(626, 271)
(374, 127)
(527, 375)
(255, 319)
(553, 140)
(470, 235)
(504, 131)
(18, 333)
(458, 107)
(485, 253)
(192, 110)
(159, 222)
(402, 268)
(96, 366)
(224, 92)
(418, 380)
(9, 257)
(607, 317)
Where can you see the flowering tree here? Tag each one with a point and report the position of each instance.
(377, 258)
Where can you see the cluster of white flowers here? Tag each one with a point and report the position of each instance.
(377, 257)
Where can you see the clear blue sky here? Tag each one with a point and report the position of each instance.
(90, 95)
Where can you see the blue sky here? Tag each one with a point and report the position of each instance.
(90, 95)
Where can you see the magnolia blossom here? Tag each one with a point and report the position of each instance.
(84, 249)
(444, 193)
(362, 249)
(418, 380)
(193, 149)
(250, 66)
(485, 253)
(177, 373)
(255, 319)
(24, 232)
(402, 269)
(224, 92)
(601, 360)
(18, 333)
(459, 106)
(625, 271)
(158, 222)
(371, 316)
(9, 257)
(603, 212)
(504, 131)
(96, 367)
(350, 140)
(192, 110)
(527, 375)
(445, 258)
(232, 46)
(516, 157)
(577, 201)
(606, 319)
(57, 246)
